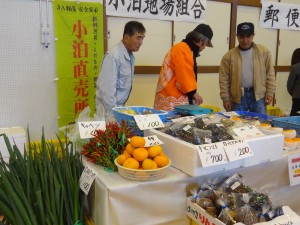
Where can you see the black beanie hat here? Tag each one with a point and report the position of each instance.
(206, 31)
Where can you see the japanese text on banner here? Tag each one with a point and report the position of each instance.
(79, 50)
(184, 10)
(280, 16)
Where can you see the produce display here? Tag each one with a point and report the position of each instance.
(230, 200)
(128, 113)
(107, 145)
(137, 156)
(291, 142)
(117, 149)
(209, 128)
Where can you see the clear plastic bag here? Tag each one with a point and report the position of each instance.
(245, 213)
(72, 130)
(235, 184)
(226, 215)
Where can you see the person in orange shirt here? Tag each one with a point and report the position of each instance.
(177, 83)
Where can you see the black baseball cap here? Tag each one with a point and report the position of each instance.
(245, 28)
(206, 31)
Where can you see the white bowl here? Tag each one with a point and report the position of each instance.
(140, 174)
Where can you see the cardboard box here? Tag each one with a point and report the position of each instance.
(201, 217)
(185, 157)
(16, 135)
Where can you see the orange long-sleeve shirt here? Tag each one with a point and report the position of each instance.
(176, 78)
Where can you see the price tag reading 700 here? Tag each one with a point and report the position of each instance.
(149, 121)
(211, 154)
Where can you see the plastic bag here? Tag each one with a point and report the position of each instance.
(226, 215)
(235, 184)
(245, 213)
(72, 130)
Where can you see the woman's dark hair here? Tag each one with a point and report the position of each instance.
(133, 27)
(296, 56)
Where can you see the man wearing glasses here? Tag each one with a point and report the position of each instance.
(246, 74)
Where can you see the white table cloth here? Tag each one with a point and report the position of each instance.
(115, 200)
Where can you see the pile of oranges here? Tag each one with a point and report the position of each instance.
(137, 156)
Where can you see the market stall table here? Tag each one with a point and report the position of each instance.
(117, 201)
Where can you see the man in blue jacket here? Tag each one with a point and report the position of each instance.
(114, 83)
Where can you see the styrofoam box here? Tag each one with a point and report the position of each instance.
(201, 217)
(265, 149)
(185, 157)
(16, 135)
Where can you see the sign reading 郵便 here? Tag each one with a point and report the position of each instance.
(279, 16)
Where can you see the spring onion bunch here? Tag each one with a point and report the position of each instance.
(41, 186)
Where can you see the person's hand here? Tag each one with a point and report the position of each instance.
(197, 99)
(227, 106)
(268, 100)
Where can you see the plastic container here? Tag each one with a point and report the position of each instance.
(291, 122)
(253, 114)
(55, 142)
(192, 109)
(140, 174)
(214, 108)
(273, 110)
(121, 114)
(173, 115)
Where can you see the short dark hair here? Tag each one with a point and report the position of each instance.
(296, 56)
(133, 27)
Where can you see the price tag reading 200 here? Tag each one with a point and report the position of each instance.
(211, 154)
(237, 149)
(149, 121)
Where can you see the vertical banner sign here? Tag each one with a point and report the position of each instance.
(79, 50)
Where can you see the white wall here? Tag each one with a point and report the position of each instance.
(28, 95)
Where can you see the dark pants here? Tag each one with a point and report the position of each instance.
(295, 107)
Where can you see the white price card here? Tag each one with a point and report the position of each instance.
(211, 154)
(87, 129)
(152, 140)
(248, 132)
(237, 149)
(148, 121)
(229, 114)
(294, 168)
(86, 179)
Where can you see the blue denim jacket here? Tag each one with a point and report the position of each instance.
(114, 83)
